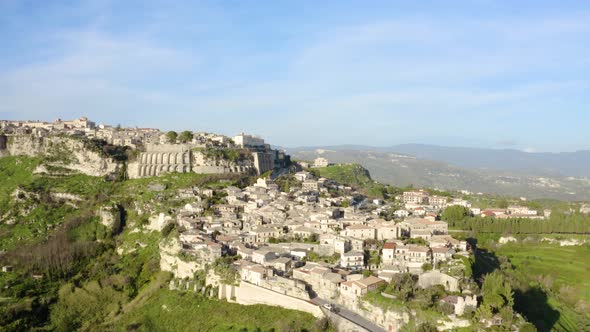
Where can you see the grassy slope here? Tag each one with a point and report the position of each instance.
(353, 175)
(14, 171)
(567, 266)
(36, 216)
(178, 311)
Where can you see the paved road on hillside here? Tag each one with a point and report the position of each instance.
(351, 316)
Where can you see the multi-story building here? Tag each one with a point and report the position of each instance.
(415, 197)
(352, 260)
(363, 232)
(321, 162)
(438, 201)
(243, 140)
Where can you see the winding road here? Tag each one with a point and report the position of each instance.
(351, 316)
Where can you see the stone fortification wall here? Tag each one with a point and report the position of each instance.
(248, 294)
(160, 159)
(168, 148)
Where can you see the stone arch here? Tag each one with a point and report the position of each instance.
(167, 158)
(163, 169)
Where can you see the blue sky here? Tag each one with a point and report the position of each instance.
(500, 74)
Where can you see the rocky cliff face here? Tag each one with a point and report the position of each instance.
(170, 260)
(61, 152)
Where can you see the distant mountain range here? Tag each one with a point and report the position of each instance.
(506, 172)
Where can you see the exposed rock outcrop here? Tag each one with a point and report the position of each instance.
(170, 260)
(61, 152)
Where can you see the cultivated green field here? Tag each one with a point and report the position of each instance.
(552, 283)
(569, 266)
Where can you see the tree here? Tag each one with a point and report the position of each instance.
(446, 308)
(503, 203)
(455, 213)
(402, 284)
(185, 136)
(498, 298)
(497, 292)
(171, 136)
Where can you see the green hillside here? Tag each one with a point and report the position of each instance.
(358, 177)
(68, 274)
(168, 310)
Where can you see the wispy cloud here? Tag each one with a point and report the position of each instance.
(399, 74)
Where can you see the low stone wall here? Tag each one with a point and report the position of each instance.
(432, 278)
(342, 324)
(248, 294)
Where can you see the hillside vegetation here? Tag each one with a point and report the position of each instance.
(358, 177)
(551, 288)
(172, 311)
(72, 272)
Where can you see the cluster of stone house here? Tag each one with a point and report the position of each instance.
(396, 256)
(513, 211)
(279, 236)
(80, 126)
(420, 203)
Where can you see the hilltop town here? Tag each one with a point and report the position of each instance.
(163, 151)
(288, 236)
